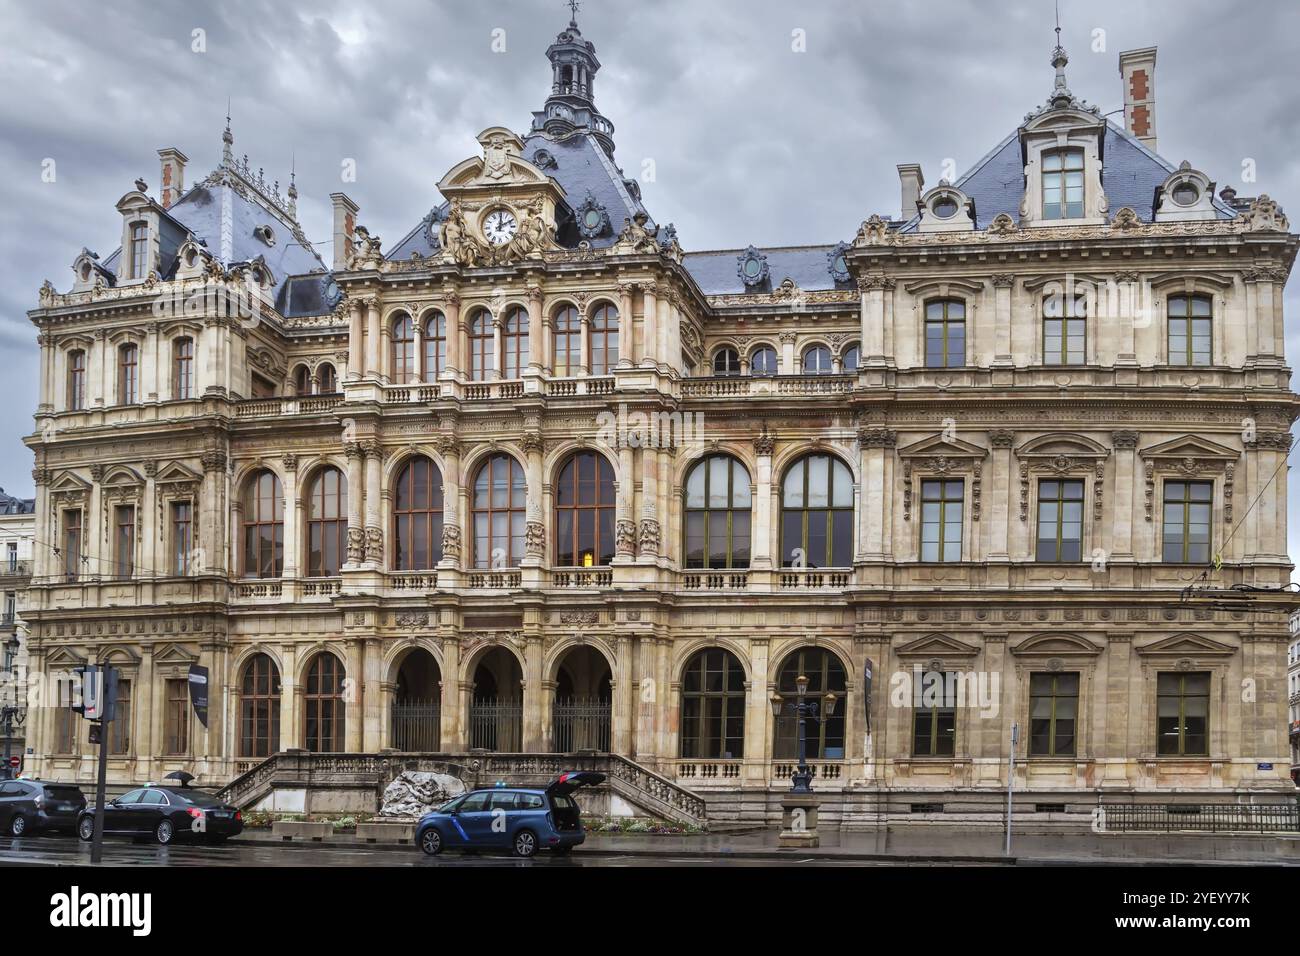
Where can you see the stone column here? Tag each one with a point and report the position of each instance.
(763, 540)
(787, 340)
(372, 696)
(584, 345)
(534, 695)
(1126, 485)
(292, 515)
(535, 527)
(624, 518)
(455, 336)
(873, 319)
(356, 497)
(1002, 285)
(1000, 494)
(874, 444)
(625, 695)
(417, 335)
(627, 353)
(647, 709)
(650, 324)
(649, 532)
(452, 721)
(354, 697)
(97, 384)
(143, 731)
(664, 329)
(758, 715)
(97, 563)
(290, 700)
(495, 374)
(451, 529)
(537, 339)
(150, 515)
(374, 555)
(372, 338)
(356, 340)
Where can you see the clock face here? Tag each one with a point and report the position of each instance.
(500, 226)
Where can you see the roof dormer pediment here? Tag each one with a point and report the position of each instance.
(942, 447)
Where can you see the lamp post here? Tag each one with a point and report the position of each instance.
(804, 707)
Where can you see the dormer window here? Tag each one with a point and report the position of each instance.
(139, 251)
(1063, 184)
(1186, 194)
(945, 207)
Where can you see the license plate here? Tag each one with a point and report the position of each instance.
(220, 814)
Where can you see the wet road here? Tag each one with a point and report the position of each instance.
(69, 851)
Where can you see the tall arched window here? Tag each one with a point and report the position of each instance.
(713, 707)
(817, 360)
(263, 526)
(435, 346)
(584, 512)
(568, 342)
(327, 380)
(323, 707)
(604, 340)
(259, 708)
(717, 514)
(500, 500)
(128, 374)
(726, 361)
(403, 350)
(825, 672)
(417, 516)
(817, 514)
(327, 523)
(183, 368)
(850, 358)
(302, 380)
(480, 346)
(763, 361)
(76, 380)
(514, 344)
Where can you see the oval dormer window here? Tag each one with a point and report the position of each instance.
(945, 207)
(1186, 194)
(753, 268)
(592, 219)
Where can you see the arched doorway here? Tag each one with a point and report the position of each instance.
(416, 719)
(496, 711)
(580, 718)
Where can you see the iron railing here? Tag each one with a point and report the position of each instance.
(496, 724)
(580, 723)
(1207, 817)
(416, 726)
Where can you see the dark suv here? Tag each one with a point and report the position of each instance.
(30, 806)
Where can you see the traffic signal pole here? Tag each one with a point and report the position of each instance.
(97, 841)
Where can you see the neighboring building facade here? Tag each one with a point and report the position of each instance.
(536, 480)
(17, 532)
(1293, 696)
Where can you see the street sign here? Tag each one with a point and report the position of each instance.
(15, 762)
(199, 692)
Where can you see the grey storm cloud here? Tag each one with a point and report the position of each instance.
(750, 139)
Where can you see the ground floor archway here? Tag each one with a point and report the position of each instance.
(415, 718)
(581, 711)
(496, 710)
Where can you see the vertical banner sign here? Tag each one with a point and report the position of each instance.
(866, 688)
(199, 692)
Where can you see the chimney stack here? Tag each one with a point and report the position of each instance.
(345, 224)
(1138, 70)
(173, 174)
(912, 181)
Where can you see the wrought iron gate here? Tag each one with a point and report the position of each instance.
(580, 723)
(496, 724)
(416, 726)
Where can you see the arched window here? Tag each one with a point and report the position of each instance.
(128, 372)
(259, 708)
(327, 380)
(604, 340)
(568, 342)
(76, 380)
(726, 361)
(584, 512)
(183, 368)
(817, 514)
(480, 346)
(514, 344)
(327, 523)
(263, 526)
(403, 350)
(763, 361)
(323, 708)
(302, 380)
(817, 360)
(713, 707)
(500, 499)
(849, 359)
(717, 514)
(825, 673)
(417, 516)
(435, 346)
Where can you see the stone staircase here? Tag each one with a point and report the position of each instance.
(300, 782)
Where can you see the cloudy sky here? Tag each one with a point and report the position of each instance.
(751, 139)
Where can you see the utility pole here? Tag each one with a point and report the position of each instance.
(98, 705)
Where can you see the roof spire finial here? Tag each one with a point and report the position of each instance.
(227, 139)
(1059, 59)
(573, 13)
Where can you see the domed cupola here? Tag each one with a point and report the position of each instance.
(571, 105)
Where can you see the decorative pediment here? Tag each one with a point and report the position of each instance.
(943, 288)
(118, 654)
(1189, 457)
(1056, 645)
(502, 164)
(63, 658)
(936, 646)
(1190, 446)
(70, 489)
(1066, 446)
(120, 475)
(941, 446)
(176, 479)
(174, 654)
(1186, 645)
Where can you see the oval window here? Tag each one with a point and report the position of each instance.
(592, 218)
(752, 267)
(945, 207)
(1186, 194)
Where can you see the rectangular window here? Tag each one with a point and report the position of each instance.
(65, 727)
(1063, 184)
(13, 557)
(182, 536)
(76, 380)
(139, 257)
(124, 541)
(1060, 521)
(119, 731)
(177, 718)
(934, 714)
(128, 366)
(1065, 330)
(941, 520)
(1186, 531)
(183, 372)
(1183, 714)
(72, 543)
(945, 334)
(1053, 712)
(1190, 325)
(11, 607)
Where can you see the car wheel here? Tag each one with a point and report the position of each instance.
(18, 825)
(431, 842)
(164, 832)
(86, 829)
(525, 843)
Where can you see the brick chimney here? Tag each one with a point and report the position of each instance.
(345, 224)
(173, 175)
(1138, 69)
(911, 180)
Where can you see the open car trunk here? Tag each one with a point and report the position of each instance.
(564, 809)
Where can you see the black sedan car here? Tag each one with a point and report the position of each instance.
(165, 814)
(30, 806)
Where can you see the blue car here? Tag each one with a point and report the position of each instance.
(514, 818)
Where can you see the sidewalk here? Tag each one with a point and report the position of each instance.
(929, 845)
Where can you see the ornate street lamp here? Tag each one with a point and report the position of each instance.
(804, 708)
